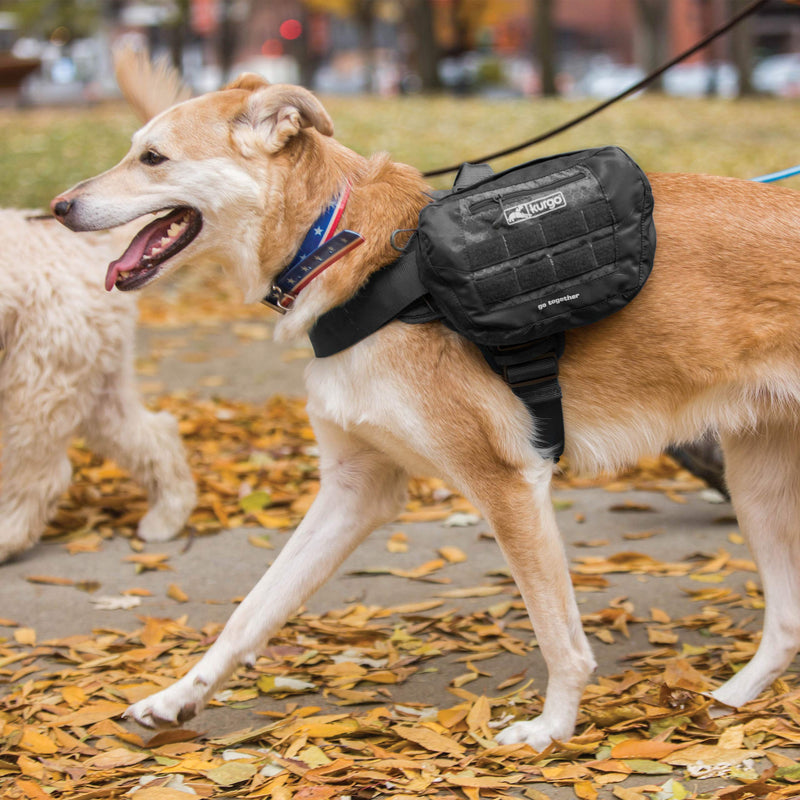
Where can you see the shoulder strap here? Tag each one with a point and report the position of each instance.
(387, 294)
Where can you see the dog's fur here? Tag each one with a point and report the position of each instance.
(68, 370)
(711, 341)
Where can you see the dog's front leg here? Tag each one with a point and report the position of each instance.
(522, 516)
(359, 490)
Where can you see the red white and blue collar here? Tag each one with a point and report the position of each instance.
(320, 248)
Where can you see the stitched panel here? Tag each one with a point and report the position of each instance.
(533, 276)
(575, 262)
(598, 216)
(604, 250)
(563, 227)
(524, 239)
(500, 286)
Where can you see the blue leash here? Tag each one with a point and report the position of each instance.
(778, 176)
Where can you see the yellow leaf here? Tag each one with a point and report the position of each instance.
(30, 791)
(473, 591)
(176, 593)
(479, 716)
(454, 555)
(30, 767)
(115, 759)
(261, 541)
(26, 636)
(329, 730)
(712, 578)
(313, 756)
(428, 739)
(145, 561)
(660, 636)
(36, 742)
(94, 712)
(584, 790)
(268, 520)
(73, 696)
(398, 543)
(642, 748)
(232, 773)
(732, 738)
(159, 793)
(49, 580)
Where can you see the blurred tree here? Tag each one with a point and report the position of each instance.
(226, 43)
(63, 20)
(544, 38)
(742, 49)
(426, 51)
(652, 36)
(178, 28)
(466, 18)
(365, 17)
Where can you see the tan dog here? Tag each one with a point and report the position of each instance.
(712, 340)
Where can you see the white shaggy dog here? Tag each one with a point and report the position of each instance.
(68, 370)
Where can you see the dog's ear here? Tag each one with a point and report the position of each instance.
(277, 113)
(248, 81)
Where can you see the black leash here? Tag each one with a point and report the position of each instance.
(715, 34)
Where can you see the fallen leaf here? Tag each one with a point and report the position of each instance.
(50, 580)
(430, 740)
(176, 593)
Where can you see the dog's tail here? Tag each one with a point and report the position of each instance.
(149, 87)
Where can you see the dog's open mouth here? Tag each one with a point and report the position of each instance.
(151, 247)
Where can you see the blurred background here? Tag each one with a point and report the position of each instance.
(57, 51)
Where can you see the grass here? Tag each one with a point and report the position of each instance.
(46, 150)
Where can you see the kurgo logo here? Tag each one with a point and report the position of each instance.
(534, 207)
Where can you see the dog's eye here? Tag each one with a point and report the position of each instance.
(152, 158)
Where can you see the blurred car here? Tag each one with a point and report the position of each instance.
(778, 75)
(701, 80)
(606, 78)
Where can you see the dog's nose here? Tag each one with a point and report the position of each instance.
(61, 207)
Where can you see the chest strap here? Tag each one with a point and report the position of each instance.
(396, 292)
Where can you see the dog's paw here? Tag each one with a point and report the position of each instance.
(165, 520)
(168, 708)
(536, 733)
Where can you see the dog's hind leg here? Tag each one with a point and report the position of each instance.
(520, 510)
(36, 471)
(148, 445)
(763, 475)
(359, 490)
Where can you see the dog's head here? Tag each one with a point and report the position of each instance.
(237, 176)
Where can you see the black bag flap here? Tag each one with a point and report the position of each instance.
(546, 246)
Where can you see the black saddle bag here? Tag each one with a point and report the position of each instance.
(541, 248)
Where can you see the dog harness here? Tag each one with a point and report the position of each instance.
(511, 261)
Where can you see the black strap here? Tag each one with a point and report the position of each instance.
(531, 372)
(391, 291)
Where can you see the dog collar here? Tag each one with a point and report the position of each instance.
(320, 248)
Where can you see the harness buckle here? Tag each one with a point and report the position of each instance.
(521, 370)
(278, 300)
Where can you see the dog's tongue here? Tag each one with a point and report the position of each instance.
(147, 238)
(127, 261)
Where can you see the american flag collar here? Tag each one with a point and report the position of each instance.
(320, 248)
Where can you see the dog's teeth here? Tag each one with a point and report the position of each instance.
(176, 229)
